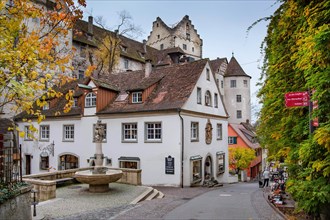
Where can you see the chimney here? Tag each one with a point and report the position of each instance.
(90, 27)
(145, 46)
(148, 68)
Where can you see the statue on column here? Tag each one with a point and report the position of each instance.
(99, 132)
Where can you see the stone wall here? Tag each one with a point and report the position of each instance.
(18, 207)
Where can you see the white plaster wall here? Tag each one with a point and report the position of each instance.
(132, 65)
(201, 148)
(205, 85)
(164, 37)
(230, 99)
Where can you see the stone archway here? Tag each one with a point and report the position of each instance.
(208, 168)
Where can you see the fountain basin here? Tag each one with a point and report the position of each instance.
(98, 182)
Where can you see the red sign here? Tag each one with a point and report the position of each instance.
(296, 99)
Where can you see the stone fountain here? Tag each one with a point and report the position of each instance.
(99, 177)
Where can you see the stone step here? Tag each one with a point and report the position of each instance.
(143, 196)
(160, 195)
(153, 195)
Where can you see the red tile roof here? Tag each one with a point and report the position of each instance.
(234, 69)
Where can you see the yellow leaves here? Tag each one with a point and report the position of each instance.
(89, 70)
(322, 136)
(276, 136)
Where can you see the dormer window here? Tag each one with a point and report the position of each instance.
(90, 100)
(123, 48)
(75, 102)
(46, 106)
(136, 97)
(208, 98)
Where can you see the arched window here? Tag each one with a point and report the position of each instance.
(208, 98)
(90, 100)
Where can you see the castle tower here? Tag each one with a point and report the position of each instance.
(237, 93)
(182, 35)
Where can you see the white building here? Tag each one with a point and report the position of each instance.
(168, 121)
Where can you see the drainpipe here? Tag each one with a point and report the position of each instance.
(182, 146)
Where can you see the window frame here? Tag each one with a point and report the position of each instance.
(232, 140)
(194, 131)
(199, 95)
(43, 132)
(44, 162)
(245, 83)
(90, 100)
(126, 160)
(208, 77)
(137, 97)
(184, 46)
(216, 100)
(126, 63)
(208, 98)
(239, 114)
(131, 130)
(221, 163)
(28, 133)
(219, 131)
(196, 174)
(233, 83)
(238, 98)
(70, 132)
(154, 129)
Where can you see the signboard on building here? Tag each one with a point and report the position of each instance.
(296, 99)
(169, 165)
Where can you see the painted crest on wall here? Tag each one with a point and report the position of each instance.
(208, 132)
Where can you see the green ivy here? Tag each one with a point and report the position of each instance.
(297, 58)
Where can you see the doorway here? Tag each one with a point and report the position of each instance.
(27, 164)
(208, 168)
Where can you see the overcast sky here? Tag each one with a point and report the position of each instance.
(221, 24)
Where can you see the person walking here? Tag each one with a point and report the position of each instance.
(266, 177)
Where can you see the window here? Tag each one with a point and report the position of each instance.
(218, 83)
(44, 132)
(187, 36)
(162, 46)
(44, 162)
(194, 131)
(199, 96)
(196, 166)
(219, 131)
(238, 98)
(129, 132)
(83, 51)
(153, 131)
(158, 36)
(81, 74)
(46, 106)
(157, 25)
(215, 100)
(245, 82)
(208, 98)
(238, 114)
(220, 163)
(123, 48)
(68, 132)
(126, 63)
(136, 97)
(104, 130)
(222, 84)
(184, 46)
(193, 49)
(232, 83)
(75, 102)
(208, 74)
(129, 162)
(28, 133)
(232, 140)
(90, 100)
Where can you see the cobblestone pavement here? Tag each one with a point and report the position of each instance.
(77, 203)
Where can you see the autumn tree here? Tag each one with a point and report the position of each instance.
(109, 44)
(35, 44)
(240, 158)
(297, 58)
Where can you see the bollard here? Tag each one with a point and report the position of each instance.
(34, 202)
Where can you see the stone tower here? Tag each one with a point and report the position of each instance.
(182, 35)
(237, 93)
